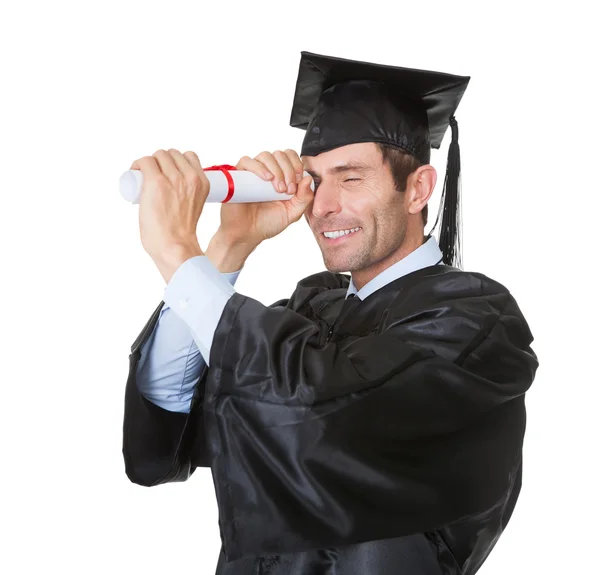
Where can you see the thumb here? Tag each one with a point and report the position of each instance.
(300, 200)
(305, 193)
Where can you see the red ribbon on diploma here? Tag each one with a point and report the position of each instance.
(225, 169)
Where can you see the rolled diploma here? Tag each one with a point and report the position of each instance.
(247, 187)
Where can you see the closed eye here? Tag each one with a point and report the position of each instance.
(317, 182)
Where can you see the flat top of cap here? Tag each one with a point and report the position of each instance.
(439, 92)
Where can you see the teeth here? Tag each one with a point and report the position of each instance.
(339, 233)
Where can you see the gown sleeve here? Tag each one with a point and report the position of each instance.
(316, 443)
(155, 443)
(161, 446)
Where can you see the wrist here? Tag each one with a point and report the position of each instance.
(171, 257)
(228, 256)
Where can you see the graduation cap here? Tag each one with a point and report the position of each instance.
(340, 102)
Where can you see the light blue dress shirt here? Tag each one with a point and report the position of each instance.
(177, 350)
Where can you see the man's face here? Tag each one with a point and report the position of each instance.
(354, 188)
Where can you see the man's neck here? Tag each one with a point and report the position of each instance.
(362, 277)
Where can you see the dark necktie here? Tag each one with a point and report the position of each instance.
(347, 308)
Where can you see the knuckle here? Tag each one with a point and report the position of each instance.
(263, 155)
(192, 154)
(194, 177)
(294, 157)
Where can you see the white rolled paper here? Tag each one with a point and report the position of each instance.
(247, 187)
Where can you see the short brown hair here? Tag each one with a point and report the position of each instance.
(401, 165)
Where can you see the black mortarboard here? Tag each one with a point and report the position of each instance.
(340, 102)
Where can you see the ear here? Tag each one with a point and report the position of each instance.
(420, 186)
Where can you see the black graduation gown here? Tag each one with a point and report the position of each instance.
(387, 440)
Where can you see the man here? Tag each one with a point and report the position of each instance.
(369, 424)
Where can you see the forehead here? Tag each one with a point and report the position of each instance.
(363, 153)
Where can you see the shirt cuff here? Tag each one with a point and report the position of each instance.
(231, 277)
(198, 293)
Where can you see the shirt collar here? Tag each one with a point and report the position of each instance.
(427, 254)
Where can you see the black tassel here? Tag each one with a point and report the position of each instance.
(450, 233)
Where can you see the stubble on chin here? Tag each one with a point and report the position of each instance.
(343, 264)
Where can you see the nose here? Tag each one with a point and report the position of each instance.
(326, 201)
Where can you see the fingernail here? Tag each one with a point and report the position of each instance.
(268, 175)
(282, 186)
(292, 189)
(298, 178)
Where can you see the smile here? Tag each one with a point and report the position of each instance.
(342, 237)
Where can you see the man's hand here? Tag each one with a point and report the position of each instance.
(249, 224)
(172, 198)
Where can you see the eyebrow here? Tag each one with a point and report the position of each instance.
(350, 167)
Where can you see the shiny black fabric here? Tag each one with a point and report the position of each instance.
(340, 102)
(385, 440)
(414, 554)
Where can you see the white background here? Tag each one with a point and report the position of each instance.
(89, 87)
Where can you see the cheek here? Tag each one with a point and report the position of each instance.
(367, 201)
(369, 193)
